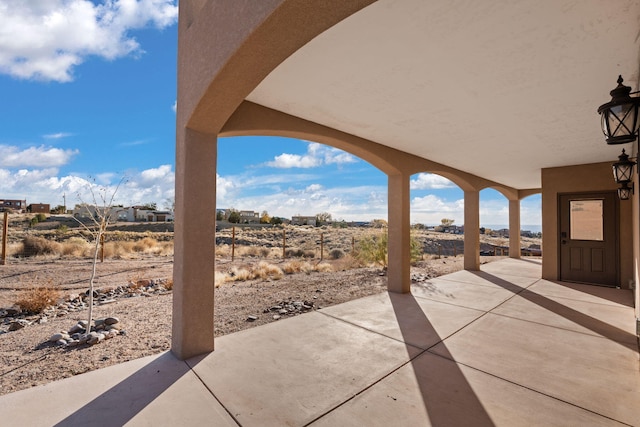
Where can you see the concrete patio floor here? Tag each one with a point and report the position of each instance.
(499, 347)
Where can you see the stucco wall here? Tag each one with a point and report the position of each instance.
(580, 179)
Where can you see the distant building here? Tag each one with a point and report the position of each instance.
(303, 220)
(249, 217)
(39, 208)
(19, 206)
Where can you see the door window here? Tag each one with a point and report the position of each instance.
(586, 221)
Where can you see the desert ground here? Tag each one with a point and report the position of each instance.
(256, 287)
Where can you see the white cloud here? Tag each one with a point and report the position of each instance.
(430, 210)
(317, 155)
(174, 107)
(44, 40)
(58, 135)
(14, 157)
(44, 185)
(429, 181)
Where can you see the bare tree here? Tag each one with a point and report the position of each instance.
(101, 213)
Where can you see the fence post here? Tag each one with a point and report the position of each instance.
(321, 246)
(455, 254)
(284, 243)
(439, 251)
(353, 245)
(5, 229)
(233, 242)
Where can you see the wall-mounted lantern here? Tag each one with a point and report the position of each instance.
(620, 123)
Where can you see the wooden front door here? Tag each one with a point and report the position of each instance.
(588, 238)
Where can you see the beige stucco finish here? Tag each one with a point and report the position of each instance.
(581, 179)
(478, 92)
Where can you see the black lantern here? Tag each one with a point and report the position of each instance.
(620, 115)
(623, 169)
(625, 192)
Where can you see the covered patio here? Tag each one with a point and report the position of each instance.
(495, 347)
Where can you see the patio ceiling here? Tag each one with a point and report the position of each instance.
(499, 89)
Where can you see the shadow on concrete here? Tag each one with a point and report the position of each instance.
(122, 402)
(447, 395)
(598, 326)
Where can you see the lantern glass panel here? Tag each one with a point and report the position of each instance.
(622, 172)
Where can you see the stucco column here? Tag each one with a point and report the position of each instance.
(399, 270)
(472, 230)
(514, 228)
(194, 243)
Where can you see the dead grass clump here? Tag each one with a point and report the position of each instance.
(348, 262)
(239, 274)
(309, 254)
(291, 267)
(294, 253)
(145, 245)
(36, 299)
(168, 284)
(220, 278)
(75, 247)
(223, 251)
(323, 267)
(34, 246)
(264, 271)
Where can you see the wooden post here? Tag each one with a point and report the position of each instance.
(233, 242)
(321, 245)
(5, 229)
(439, 251)
(353, 245)
(284, 243)
(455, 254)
(102, 248)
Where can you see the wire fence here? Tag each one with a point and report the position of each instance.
(22, 237)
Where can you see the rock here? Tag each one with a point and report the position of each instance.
(99, 322)
(95, 338)
(252, 318)
(76, 328)
(62, 313)
(72, 343)
(12, 311)
(61, 343)
(111, 320)
(17, 324)
(58, 337)
(276, 317)
(107, 301)
(283, 311)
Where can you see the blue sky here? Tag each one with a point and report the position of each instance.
(88, 96)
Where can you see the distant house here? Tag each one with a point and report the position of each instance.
(85, 211)
(143, 214)
(39, 208)
(249, 217)
(19, 206)
(303, 220)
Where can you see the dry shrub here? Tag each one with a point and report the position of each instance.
(75, 247)
(306, 267)
(34, 246)
(220, 278)
(118, 249)
(223, 250)
(36, 299)
(164, 249)
(168, 284)
(336, 253)
(348, 262)
(240, 274)
(291, 267)
(265, 252)
(264, 270)
(323, 267)
(309, 254)
(294, 253)
(251, 251)
(145, 245)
